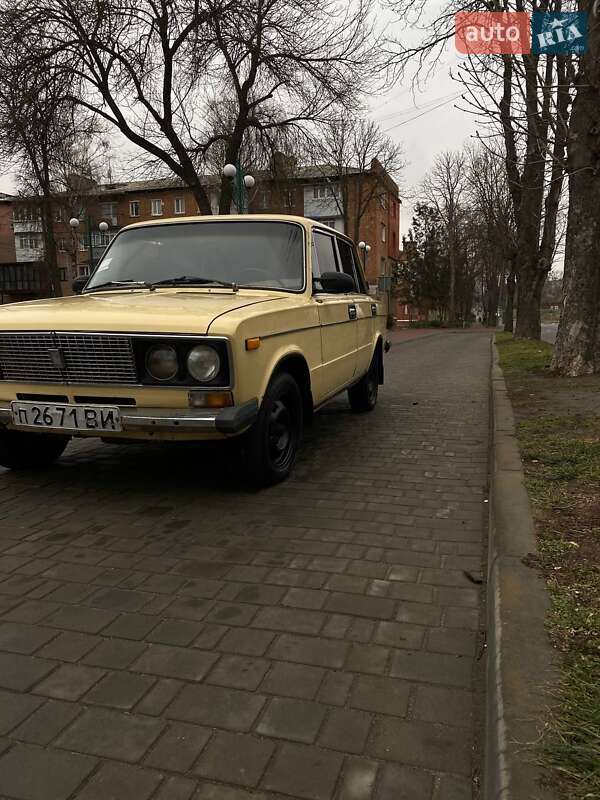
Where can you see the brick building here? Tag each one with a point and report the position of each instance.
(7, 237)
(315, 192)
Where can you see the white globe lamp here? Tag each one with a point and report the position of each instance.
(229, 171)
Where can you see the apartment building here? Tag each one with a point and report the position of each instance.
(364, 203)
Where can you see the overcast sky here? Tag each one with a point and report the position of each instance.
(425, 123)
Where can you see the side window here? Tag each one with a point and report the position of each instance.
(326, 260)
(350, 265)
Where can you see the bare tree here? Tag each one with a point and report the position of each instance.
(39, 132)
(347, 147)
(152, 69)
(444, 188)
(524, 100)
(491, 205)
(577, 349)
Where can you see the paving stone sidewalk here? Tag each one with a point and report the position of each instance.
(164, 636)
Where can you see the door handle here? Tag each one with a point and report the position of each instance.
(352, 311)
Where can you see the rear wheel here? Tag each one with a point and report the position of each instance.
(363, 395)
(24, 450)
(268, 450)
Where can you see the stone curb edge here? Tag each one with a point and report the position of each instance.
(521, 664)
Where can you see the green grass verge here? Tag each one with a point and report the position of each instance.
(561, 457)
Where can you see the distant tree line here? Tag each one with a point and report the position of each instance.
(541, 114)
(460, 251)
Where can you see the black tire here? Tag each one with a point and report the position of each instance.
(268, 449)
(23, 450)
(363, 395)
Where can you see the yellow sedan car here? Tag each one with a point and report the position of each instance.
(203, 328)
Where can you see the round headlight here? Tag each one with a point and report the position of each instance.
(203, 363)
(161, 362)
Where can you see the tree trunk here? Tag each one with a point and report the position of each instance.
(50, 256)
(202, 199)
(509, 306)
(452, 291)
(577, 349)
(529, 318)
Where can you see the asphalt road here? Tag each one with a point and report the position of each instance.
(165, 636)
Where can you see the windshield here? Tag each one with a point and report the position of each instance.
(261, 255)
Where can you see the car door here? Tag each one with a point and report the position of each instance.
(365, 307)
(337, 317)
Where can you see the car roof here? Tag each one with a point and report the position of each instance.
(304, 221)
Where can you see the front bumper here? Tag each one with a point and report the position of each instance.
(231, 420)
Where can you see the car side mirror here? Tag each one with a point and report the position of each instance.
(79, 283)
(337, 282)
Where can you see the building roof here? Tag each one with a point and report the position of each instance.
(7, 198)
(313, 172)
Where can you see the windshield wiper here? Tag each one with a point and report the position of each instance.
(191, 280)
(126, 284)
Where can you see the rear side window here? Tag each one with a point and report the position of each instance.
(325, 255)
(349, 263)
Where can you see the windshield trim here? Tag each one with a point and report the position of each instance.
(248, 218)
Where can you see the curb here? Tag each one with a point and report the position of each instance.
(521, 664)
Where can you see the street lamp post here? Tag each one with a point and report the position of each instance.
(241, 183)
(74, 223)
(366, 249)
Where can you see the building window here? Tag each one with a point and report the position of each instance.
(264, 198)
(29, 243)
(179, 205)
(108, 211)
(382, 232)
(58, 214)
(101, 239)
(63, 274)
(157, 208)
(82, 245)
(24, 214)
(289, 198)
(84, 269)
(325, 190)
(134, 208)
(60, 244)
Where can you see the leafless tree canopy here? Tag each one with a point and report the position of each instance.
(349, 144)
(521, 104)
(184, 78)
(462, 245)
(44, 137)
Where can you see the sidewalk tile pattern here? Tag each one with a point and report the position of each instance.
(164, 635)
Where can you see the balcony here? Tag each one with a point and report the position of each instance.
(27, 226)
(22, 279)
(320, 207)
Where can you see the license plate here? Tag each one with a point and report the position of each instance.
(61, 416)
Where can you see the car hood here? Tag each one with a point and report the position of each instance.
(137, 311)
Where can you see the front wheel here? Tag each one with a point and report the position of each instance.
(24, 450)
(268, 449)
(363, 395)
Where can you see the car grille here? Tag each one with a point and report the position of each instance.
(87, 358)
